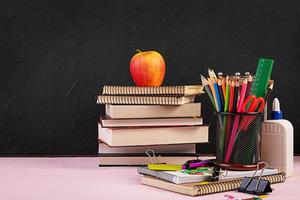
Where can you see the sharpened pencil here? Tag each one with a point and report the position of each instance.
(222, 100)
(227, 94)
(250, 80)
(218, 101)
(236, 96)
(268, 93)
(231, 98)
(208, 91)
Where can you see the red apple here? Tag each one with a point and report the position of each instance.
(147, 68)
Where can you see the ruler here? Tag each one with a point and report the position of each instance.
(262, 77)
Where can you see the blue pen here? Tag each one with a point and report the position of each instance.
(217, 95)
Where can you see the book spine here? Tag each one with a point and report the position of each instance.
(138, 100)
(133, 90)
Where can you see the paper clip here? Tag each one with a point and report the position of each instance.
(253, 185)
(153, 159)
(155, 165)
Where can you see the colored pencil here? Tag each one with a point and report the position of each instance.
(217, 95)
(213, 92)
(232, 138)
(227, 94)
(250, 80)
(222, 100)
(208, 91)
(224, 86)
(231, 98)
(236, 95)
(268, 93)
(242, 95)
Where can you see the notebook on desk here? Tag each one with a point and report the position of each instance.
(203, 188)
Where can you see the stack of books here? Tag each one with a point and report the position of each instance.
(165, 119)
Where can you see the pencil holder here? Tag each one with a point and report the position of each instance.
(238, 140)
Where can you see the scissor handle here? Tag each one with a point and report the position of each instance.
(250, 99)
(258, 102)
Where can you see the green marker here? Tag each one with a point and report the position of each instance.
(262, 77)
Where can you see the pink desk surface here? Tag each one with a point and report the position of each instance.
(80, 178)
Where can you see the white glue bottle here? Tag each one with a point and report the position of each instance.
(277, 142)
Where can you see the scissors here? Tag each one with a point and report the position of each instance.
(251, 104)
(256, 104)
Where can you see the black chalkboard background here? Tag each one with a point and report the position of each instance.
(56, 55)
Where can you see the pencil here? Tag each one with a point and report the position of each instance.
(222, 100)
(208, 91)
(210, 73)
(250, 80)
(242, 95)
(217, 95)
(236, 95)
(213, 92)
(231, 98)
(227, 93)
(268, 93)
(213, 74)
(224, 86)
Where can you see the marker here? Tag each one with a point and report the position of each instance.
(276, 112)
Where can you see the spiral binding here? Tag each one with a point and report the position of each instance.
(223, 186)
(133, 90)
(149, 100)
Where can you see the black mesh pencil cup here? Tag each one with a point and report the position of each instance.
(238, 140)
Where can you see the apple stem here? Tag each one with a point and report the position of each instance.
(139, 51)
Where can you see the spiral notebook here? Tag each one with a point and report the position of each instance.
(162, 90)
(145, 100)
(176, 177)
(203, 188)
